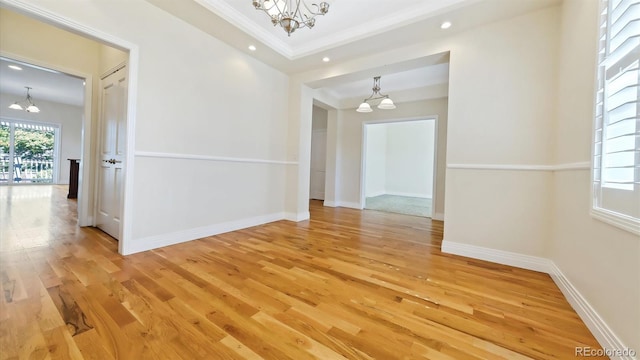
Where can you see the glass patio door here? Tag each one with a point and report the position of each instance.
(27, 152)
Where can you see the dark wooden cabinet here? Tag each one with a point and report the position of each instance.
(74, 170)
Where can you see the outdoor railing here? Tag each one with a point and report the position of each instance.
(26, 170)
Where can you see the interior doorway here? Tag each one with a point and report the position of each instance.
(399, 166)
(317, 178)
(99, 53)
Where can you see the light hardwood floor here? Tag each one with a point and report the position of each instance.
(346, 284)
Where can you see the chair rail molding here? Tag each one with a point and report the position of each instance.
(163, 155)
(585, 165)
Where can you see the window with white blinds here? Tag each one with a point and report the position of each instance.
(616, 155)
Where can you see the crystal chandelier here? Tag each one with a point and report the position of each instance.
(385, 104)
(291, 14)
(26, 105)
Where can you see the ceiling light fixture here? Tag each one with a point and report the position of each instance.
(291, 14)
(252, 47)
(445, 25)
(326, 59)
(385, 104)
(15, 67)
(26, 105)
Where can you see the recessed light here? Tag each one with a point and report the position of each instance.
(15, 67)
(445, 25)
(326, 59)
(252, 48)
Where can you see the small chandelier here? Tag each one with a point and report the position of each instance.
(291, 14)
(26, 105)
(385, 104)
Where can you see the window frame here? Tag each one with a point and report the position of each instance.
(57, 129)
(598, 183)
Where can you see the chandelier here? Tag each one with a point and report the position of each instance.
(291, 14)
(385, 104)
(26, 105)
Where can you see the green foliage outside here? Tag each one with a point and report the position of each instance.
(4, 139)
(33, 151)
(29, 144)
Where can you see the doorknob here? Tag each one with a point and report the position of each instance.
(112, 161)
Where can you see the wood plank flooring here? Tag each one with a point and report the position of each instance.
(347, 284)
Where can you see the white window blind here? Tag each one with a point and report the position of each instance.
(616, 155)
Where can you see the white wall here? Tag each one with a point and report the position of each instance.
(399, 159)
(501, 112)
(410, 157)
(184, 74)
(349, 146)
(506, 126)
(502, 95)
(68, 117)
(319, 121)
(603, 262)
(376, 160)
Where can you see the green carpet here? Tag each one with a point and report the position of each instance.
(400, 204)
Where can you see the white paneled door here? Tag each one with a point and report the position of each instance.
(113, 121)
(318, 164)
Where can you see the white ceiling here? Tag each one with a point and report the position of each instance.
(350, 30)
(346, 21)
(47, 85)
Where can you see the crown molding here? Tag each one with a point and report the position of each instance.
(377, 26)
(233, 16)
(322, 43)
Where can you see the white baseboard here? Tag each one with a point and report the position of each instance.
(301, 216)
(497, 256)
(600, 330)
(352, 205)
(377, 193)
(438, 216)
(408, 194)
(157, 241)
(88, 223)
(346, 204)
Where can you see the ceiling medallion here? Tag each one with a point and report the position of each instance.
(291, 14)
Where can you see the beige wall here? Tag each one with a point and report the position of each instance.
(506, 81)
(602, 261)
(111, 57)
(195, 96)
(521, 97)
(501, 107)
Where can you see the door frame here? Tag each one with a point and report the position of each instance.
(363, 155)
(87, 188)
